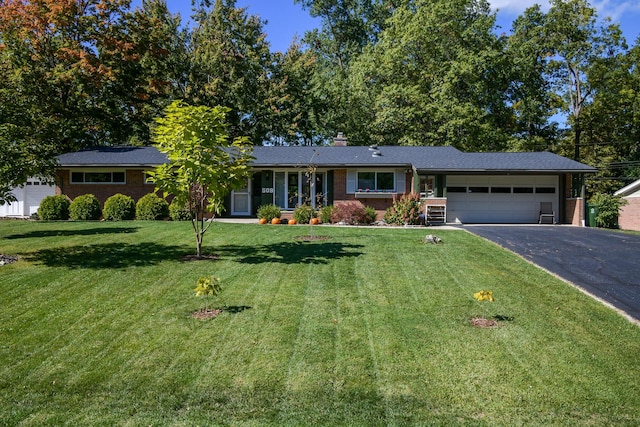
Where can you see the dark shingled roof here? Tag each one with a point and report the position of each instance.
(433, 159)
(114, 156)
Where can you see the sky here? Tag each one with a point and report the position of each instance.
(286, 19)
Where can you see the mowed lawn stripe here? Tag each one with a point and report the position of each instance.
(369, 327)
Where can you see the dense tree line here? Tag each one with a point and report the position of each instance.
(79, 73)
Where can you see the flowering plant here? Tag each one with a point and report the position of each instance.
(484, 296)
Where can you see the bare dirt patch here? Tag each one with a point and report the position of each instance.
(481, 322)
(205, 314)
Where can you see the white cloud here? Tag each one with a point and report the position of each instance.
(615, 9)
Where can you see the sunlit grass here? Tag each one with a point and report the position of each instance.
(369, 327)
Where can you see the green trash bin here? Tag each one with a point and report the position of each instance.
(593, 211)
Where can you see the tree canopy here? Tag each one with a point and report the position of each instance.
(79, 73)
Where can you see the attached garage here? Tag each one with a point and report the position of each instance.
(504, 199)
(29, 196)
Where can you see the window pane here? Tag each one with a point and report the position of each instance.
(97, 177)
(501, 190)
(456, 189)
(545, 190)
(522, 190)
(293, 192)
(478, 189)
(280, 194)
(366, 181)
(118, 177)
(77, 177)
(385, 181)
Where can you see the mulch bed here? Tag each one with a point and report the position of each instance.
(7, 259)
(480, 322)
(205, 314)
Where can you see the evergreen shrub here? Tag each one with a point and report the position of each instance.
(119, 207)
(54, 208)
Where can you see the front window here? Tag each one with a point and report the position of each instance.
(376, 181)
(98, 177)
(298, 188)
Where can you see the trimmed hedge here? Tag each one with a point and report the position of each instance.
(54, 208)
(152, 207)
(85, 208)
(178, 213)
(119, 207)
(303, 214)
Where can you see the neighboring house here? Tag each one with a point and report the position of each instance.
(28, 195)
(629, 218)
(466, 187)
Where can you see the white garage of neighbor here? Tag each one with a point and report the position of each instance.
(29, 196)
(499, 198)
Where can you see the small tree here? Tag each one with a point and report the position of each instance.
(204, 165)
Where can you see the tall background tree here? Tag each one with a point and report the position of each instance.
(79, 73)
(230, 66)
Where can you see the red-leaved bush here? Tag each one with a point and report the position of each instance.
(352, 212)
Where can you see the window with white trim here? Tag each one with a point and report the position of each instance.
(376, 181)
(117, 177)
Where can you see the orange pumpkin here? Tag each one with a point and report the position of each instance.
(314, 221)
(275, 221)
(292, 222)
(263, 220)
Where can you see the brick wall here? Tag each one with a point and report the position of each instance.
(629, 218)
(574, 211)
(134, 187)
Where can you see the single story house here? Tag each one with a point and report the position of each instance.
(457, 187)
(629, 218)
(28, 197)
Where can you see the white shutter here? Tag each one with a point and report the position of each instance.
(352, 177)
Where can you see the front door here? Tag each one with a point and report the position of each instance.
(241, 201)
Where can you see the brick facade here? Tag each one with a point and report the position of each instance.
(574, 211)
(134, 187)
(629, 218)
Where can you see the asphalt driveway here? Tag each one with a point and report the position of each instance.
(602, 262)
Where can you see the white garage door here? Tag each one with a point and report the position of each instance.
(499, 199)
(29, 196)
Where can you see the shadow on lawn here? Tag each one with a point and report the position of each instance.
(290, 252)
(79, 232)
(111, 255)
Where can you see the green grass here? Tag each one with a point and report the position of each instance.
(370, 327)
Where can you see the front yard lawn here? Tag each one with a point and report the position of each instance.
(368, 327)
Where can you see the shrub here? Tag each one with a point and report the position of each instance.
(85, 208)
(352, 212)
(152, 207)
(326, 212)
(303, 214)
(54, 208)
(178, 212)
(269, 212)
(119, 207)
(405, 211)
(609, 209)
